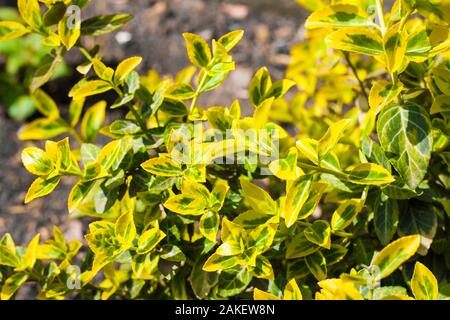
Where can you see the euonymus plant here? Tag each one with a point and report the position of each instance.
(338, 190)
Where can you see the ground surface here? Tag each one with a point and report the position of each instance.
(272, 27)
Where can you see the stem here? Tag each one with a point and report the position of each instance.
(72, 131)
(85, 52)
(140, 121)
(323, 170)
(197, 92)
(355, 72)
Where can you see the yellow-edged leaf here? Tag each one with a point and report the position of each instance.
(424, 285)
(125, 68)
(395, 254)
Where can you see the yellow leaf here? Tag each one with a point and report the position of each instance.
(125, 68)
(12, 284)
(395, 48)
(395, 254)
(292, 291)
(424, 285)
(295, 199)
(69, 31)
(261, 295)
(355, 39)
(162, 166)
(11, 30)
(87, 88)
(332, 137)
(338, 16)
(382, 93)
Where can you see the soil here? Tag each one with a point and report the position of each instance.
(271, 26)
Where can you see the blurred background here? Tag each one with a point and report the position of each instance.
(271, 27)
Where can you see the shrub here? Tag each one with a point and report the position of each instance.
(190, 202)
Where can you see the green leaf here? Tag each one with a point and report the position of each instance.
(405, 132)
(149, 239)
(308, 148)
(424, 285)
(231, 39)
(49, 252)
(30, 12)
(8, 256)
(69, 34)
(370, 174)
(46, 69)
(41, 187)
(75, 110)
(345, 213)
(317, 265)
(92, 121)
(441, 76)
(89, 153)
(36, 161)
(230, 248)
(338, 16)
(383, 93)
(209, 225)
(100, 25)
(292, 291)
(112, 155)
(234, 281)
(441, 104)
(319, 233)
(332, 137)
(258, 198)
(335, 254)
(385, 219)
(316, 191)
(388, 292)
(279, 88)
(427, 41)
(296, 197)
(125, 68)
(421, 219)
(374, 153)
(218, 194)
(124, 127)
(186, 204)
(45, 104)
(286, 168)
(86, 88)
(42, 129)
(12, 284)
(29, 258)
(162, 166)
(201, 281)
(55, 13)
(259, 86)
(198, 50)
(263, 268)
(217, 262)
(172, 253)
(11, 30)
(181, 91)
(358, 40)
(125, 228)
(102, 71)
(395, 254)
(300, 247)
(173, 107)
(395, 42)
